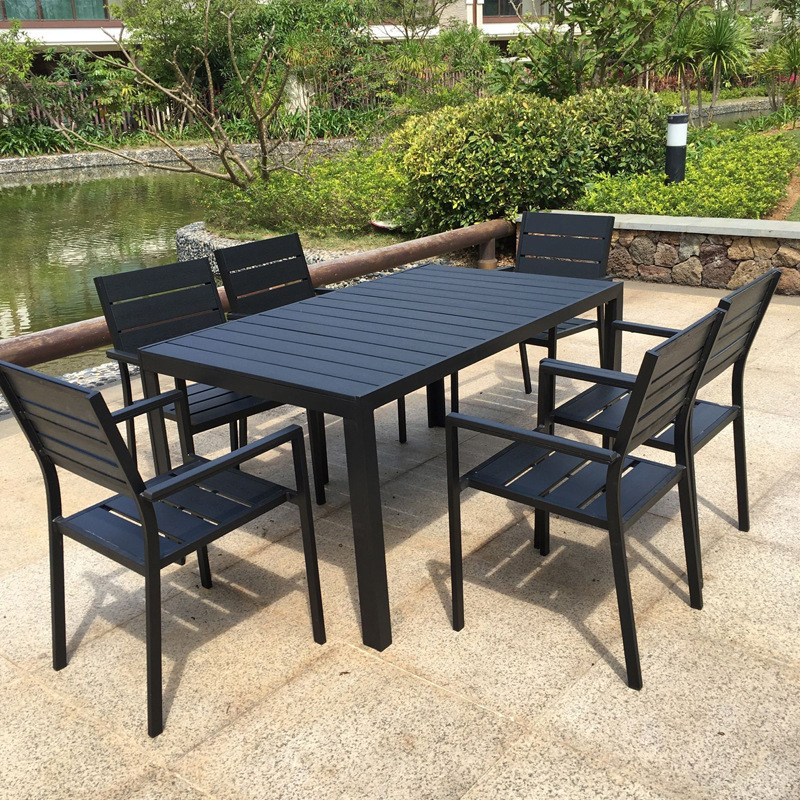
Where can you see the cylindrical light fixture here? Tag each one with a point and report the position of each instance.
(677, 131)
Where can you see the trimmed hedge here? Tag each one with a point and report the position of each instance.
(504, 154)
(743, 177)
(492, 158)
(626, 127)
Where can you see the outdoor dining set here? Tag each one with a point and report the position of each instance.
(346, 353)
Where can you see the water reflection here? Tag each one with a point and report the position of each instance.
(55, 237)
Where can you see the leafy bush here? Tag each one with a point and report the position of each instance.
(30, 139)
(626, 127)
(339, 194)
(743, 177)
(491, 158)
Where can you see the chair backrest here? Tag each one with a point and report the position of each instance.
(744, 310)
(260, 276)
(571, 245)
(146, 306)
(668, 381)
(69, 427)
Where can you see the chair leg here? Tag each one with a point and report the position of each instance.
(454, 401)
(242, 431)
(454, 519)
(402, 434)
(601, 333)
(127, 398)
(312, 565)
(205, 568)
(740, 458)
(630, 645)
(155, 720)
(319, 456)
(541, 531)
(57, 604)
(456, 558)
(691, 540)
(234, 436)
(526, 369)
(552, 343)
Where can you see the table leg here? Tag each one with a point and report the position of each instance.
(365, 506)
(436, 404)
(155, 420)
(612, 348)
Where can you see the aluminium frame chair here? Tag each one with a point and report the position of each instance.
(569, 245)
(607, 488)
(270, 273)
(144, 307)
(146, 525)
(600, 408)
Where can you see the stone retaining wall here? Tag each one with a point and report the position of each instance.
(698, 259)
(155, 155)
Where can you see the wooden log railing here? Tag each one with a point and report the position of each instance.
(68, 340)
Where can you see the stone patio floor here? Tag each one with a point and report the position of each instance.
(528, 701)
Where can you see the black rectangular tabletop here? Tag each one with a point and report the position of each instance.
(378, 340)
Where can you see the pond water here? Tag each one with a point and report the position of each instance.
(61, 229)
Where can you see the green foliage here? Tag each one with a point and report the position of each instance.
(743, 177)
(30, 139)
(492, 158)
(724, 44)
(339, 194)
(626, 127)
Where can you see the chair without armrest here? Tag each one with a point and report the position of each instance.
(570, 245)
(260, 276)
(600, 409)
(144, 307)
(602, 487)
(145, 526)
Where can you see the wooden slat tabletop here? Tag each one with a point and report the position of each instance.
(377, 340)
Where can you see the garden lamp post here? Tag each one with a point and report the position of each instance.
(677, 130)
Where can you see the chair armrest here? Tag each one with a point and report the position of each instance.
(232, 315)
(647, 330)
(323, 290)
(534, 438)
(512, 268)
(580, 372)
(158, 489)
(148, 404)
(122, 356)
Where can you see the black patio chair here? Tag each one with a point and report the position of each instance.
(260, 276)
(146, 525)
(144, 307)
(602, 487)
(602, 407)
(570, 245)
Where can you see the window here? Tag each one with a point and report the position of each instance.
(511, 8)
(53, 9)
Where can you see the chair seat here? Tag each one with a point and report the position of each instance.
(601, 408)
(570, 485)
(574, 325)
(210, 406)
(187, 520)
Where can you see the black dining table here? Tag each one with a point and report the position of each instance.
(350, 351)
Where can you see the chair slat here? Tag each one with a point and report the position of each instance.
(131, 340)
(570, 247)
(158, 308)
(274, 273)
(154, 280)
(268, 299)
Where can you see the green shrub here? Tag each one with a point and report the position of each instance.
(626, 127)
(30, 139)
(339, 194)
(743, 177)
(492, 158)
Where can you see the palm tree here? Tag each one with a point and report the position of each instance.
(725, 47)
(682, 56)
